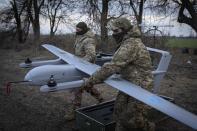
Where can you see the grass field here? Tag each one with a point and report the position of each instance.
(182, 42)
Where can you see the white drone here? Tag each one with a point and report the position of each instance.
(68, 70)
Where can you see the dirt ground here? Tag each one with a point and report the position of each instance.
(27, 109)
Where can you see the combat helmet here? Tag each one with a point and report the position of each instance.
(121, 23)
(84, 28)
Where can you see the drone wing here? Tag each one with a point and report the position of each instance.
(77, 62)
(127, 87)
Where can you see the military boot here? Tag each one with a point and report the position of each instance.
(100, 100)
(150, 126)
(70, 113)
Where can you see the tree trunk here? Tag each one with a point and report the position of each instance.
(104, 32)
(36, 20)
(52, 33)
(33, 13)
(18, 22)
(140, 12)
(36, 30)
(182, 18)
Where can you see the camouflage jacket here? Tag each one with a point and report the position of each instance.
(85, 46)
(131, 60)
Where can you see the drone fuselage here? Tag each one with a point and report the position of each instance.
(64, 73)
(61, 73)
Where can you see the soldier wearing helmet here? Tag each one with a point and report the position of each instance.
(133, 62)
(85, 45)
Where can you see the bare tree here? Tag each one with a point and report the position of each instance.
(57, 12)
(99, 15)
(187, 10)
(22, 21)
(99, 11)
(190, 19)
(6, 19)
(138, 7)
(52, 9)
(33, 9)
(104, 20)
(15, 19)
(7, 27)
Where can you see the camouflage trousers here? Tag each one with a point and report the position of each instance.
(78, 95)
(131, 114)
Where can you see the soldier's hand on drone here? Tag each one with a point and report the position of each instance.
(87, 84)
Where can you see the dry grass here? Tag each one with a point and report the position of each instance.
(28, 109)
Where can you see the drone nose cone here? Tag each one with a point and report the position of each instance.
(28, 77)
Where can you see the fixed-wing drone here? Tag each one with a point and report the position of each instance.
(68, 70)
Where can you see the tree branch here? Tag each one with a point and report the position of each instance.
(182, 18)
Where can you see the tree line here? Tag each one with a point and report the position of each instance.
(21, 15)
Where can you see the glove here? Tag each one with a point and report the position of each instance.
(87, 84)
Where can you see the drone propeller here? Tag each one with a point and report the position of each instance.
(28, 61)
(51, 82)
(34, 58)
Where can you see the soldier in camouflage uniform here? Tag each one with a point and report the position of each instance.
(133, 62)
(85, 48)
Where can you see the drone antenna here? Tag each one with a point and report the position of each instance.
(143, 25)
(8, 85)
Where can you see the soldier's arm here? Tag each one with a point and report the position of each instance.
(123, 56)
(90, 53)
